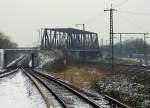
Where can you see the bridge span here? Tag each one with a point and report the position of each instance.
(75, 42)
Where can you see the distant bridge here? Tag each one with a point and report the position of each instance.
(9, 55)
(71, 40)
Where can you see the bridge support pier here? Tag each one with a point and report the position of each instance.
(32, 56)
(2, 59)
(5, 61)
(83, 57)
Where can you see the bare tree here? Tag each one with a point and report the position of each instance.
(5, 42)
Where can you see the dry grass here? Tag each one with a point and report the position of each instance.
(82, 77)
(119, 61)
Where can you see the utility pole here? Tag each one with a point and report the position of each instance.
(84, 55)
(120, 44)
(145, 49)
(41, 37)
(39, 40)
(144, 44)
(111, 10)
(83, 25)
(102, 50)
(120, 41)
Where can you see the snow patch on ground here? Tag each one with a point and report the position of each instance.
(47, 57)
(2, 70)
(126, 89)
(44, 59)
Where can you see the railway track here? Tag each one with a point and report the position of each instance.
(7, 73)
(17, 62)
(69, 96)
(13, 67)
(133, 70)
(126, 69)
(65, 94)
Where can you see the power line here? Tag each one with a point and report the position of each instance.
(95, 17)
(121, 3)
(135, 13)
(111, 1)
(131, 22)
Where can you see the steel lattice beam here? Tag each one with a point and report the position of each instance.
(69, 39)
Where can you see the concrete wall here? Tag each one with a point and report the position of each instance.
(1, 58)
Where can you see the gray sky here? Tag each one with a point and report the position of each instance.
(21, 19)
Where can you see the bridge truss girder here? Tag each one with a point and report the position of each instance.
(69, 39)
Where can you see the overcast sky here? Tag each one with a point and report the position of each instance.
(21, 19)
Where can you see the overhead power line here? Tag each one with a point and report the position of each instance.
(94, 17)
(132, 22)
(121, 3)
(135, 13)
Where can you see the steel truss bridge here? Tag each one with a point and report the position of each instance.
(70, 40)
